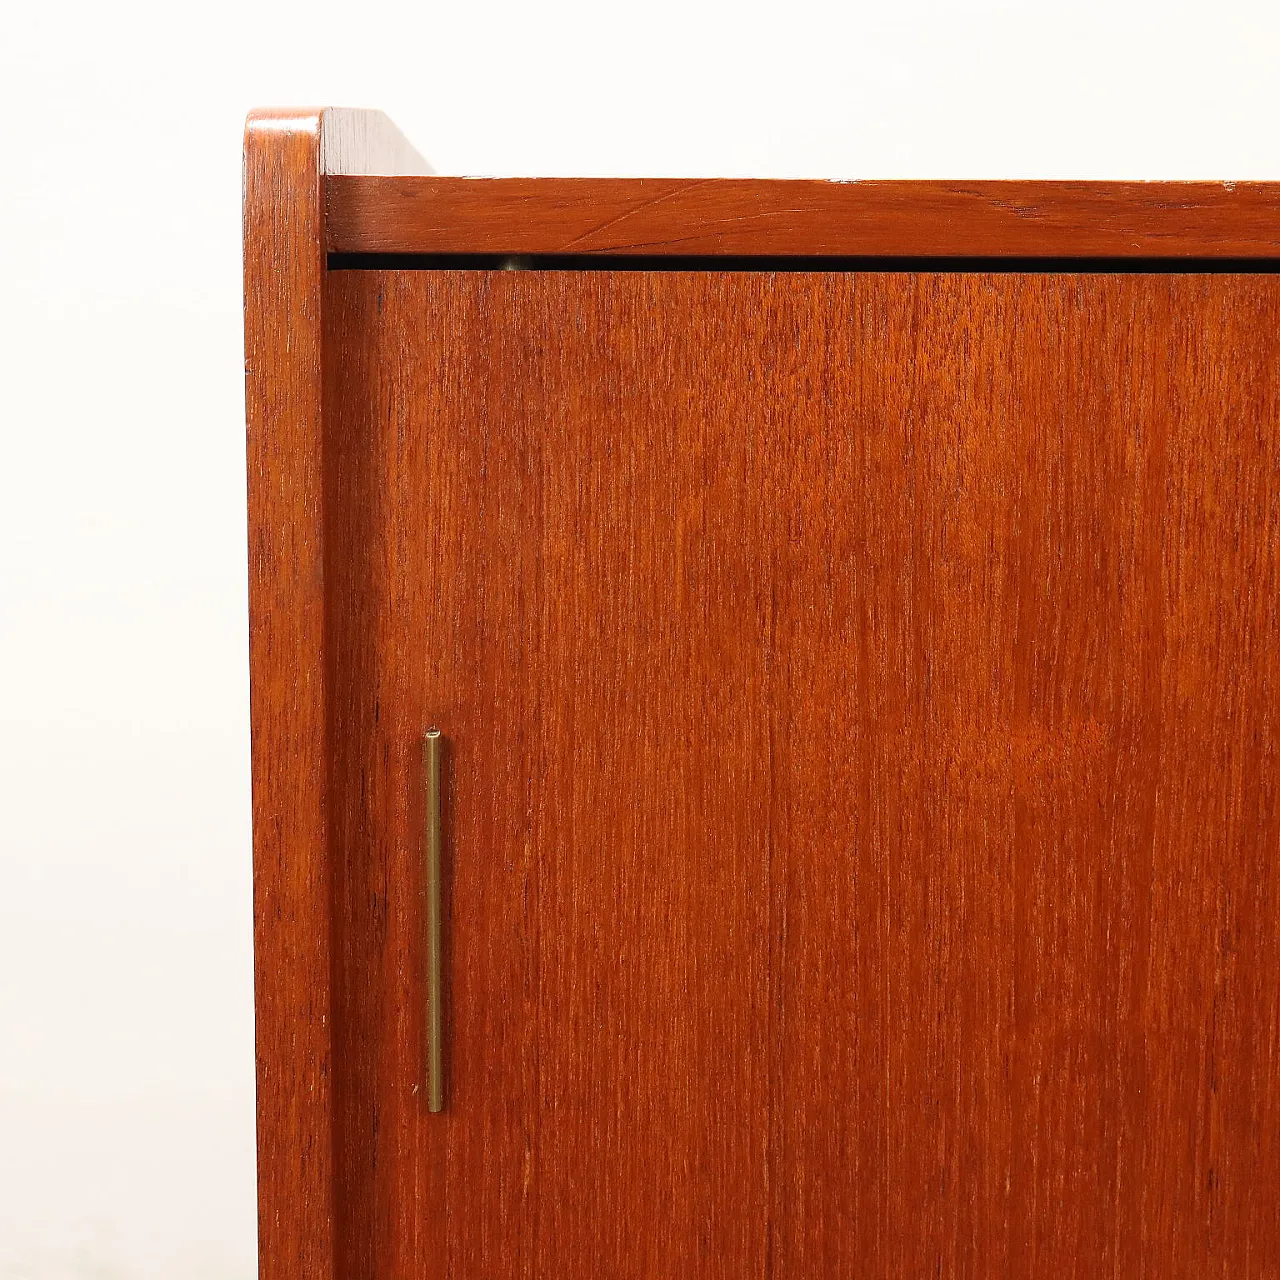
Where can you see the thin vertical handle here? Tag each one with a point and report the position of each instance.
(432, 749)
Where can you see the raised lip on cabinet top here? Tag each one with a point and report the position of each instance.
(745, 218)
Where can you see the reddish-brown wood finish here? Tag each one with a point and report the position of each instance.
(671, 217)
(283, 271)
(285, 154)
(862, 701)
(862, 707)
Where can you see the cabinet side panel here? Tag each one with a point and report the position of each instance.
(283, 271)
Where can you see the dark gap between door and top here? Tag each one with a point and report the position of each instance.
(710, 262)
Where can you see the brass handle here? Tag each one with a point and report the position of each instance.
(432, 749)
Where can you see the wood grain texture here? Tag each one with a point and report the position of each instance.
(861, 693)
(440, 215)
(284, 266)
(362, 142)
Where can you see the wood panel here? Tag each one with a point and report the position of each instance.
(671, 217)
(861, 693)
(502, 586)
(284, 267)
(286, 153)
(1020, 723)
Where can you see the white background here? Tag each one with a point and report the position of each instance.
(126, 1057)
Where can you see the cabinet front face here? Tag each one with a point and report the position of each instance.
(861, 705)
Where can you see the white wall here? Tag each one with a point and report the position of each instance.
(126, 1081)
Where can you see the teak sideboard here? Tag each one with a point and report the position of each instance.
(766, 722)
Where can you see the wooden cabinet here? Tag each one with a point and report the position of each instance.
(851, 615)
